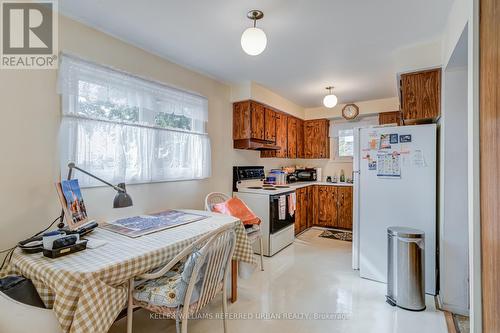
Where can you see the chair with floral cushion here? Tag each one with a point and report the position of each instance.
(254, 233)
(188, 282)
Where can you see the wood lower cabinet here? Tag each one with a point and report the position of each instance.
(310, 206)
(332, 206)
(327, 206)
(421, 95)
(344, 197)
(305, 213)
(302, 210)
(393, 117)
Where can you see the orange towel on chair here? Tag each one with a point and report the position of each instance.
(237, 208)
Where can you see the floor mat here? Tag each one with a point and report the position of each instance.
(337, 234)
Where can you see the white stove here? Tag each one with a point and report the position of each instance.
(265, 201)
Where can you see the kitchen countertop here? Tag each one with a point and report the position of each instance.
(289, 188)
(304, 184)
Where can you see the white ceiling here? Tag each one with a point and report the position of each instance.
(311, 43)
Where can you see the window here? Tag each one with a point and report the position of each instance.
(342, 131)
(345, 143)
(127, 129)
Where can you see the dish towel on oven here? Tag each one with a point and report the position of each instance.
(292, 202)
(282, 207)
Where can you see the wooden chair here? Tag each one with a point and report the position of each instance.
(253, 234)
(208, 277)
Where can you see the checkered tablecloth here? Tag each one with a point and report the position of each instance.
(87, 290)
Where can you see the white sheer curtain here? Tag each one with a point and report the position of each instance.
(342, 132)
(127, 129)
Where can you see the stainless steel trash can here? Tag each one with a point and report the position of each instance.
(405, 268)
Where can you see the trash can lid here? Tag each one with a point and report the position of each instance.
(405, 232)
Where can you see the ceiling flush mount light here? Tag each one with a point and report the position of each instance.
(254, 40)
(330, 100)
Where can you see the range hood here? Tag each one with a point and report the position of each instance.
(255, 144)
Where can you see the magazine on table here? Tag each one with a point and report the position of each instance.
(141, 225)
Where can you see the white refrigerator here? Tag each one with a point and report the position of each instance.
(394, 185)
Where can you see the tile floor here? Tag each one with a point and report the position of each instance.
(313, 276)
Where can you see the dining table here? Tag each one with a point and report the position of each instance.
(87, 290)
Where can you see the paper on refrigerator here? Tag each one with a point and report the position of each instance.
(418, 159)
(389, 164)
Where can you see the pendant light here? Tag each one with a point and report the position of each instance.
(254, 40)
(330, 100)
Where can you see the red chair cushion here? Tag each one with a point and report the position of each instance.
(237, 208)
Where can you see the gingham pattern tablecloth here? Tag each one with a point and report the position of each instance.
(87, 290)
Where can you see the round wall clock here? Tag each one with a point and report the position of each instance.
(350, 111)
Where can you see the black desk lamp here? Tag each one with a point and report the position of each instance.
(122, 198)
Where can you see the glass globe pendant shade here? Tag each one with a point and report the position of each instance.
(330, 101)
(253, 41)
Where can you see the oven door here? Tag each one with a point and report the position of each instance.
(279, 221)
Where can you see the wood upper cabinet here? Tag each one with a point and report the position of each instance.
(281, 137)
(300, 139)
(270, 125)
(344, 195)
(241, 120)
(324, 138)
(316, 138)
(310, 134)
(421, 95)
(260, 125)
(292, 137)
(257, 114)
(393, 117)
(249, 122)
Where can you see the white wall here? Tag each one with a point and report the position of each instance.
(460, 14)
(465, 13)
(259, 93)
(365, 108)
(333, 166)
(29, 128)
(454, 238)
